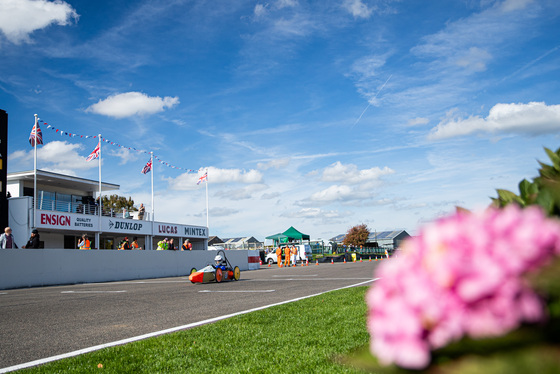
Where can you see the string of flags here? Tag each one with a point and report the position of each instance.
(36, 135)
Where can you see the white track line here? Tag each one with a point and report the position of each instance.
(121, 291)
(303, 279)
(282, 276)
(162, 332)
(248, 291)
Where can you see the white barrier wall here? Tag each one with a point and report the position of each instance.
(44, 267)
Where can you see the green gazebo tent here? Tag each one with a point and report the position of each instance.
(293, 234)
(278, 238)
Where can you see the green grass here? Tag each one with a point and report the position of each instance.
(300, 337)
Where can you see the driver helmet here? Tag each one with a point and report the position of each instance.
(218, 259)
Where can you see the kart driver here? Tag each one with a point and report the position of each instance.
(220, 262)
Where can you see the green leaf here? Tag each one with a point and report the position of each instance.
(508, 197)
(528, 191)
(554, 158)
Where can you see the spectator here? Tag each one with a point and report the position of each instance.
(170, 245)
(187, 246)
(162, 245)
(141, 212)
(33, 241)
(125, 244)
(7, 239)
(134, 244)
(84, 243)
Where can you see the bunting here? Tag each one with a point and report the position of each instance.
(113, 143)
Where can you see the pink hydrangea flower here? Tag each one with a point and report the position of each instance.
(461, 276)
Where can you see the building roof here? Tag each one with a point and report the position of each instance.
(246, 239)
(386, 235)
(48, 178)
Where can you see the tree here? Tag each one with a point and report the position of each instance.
(117, 203)
(356, 236)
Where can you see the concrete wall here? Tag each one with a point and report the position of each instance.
(44, 267)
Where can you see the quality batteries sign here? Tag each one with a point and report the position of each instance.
(67, 221)
(125, 226)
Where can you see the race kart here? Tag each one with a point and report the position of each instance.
(219, 271)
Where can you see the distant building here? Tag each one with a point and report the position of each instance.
(249, 242)
(212, 240)
(385, 239)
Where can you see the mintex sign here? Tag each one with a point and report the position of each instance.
(67, 221)
(166, 229)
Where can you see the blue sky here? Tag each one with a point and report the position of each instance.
(317, 114)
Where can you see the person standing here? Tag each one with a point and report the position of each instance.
(162, 245)
(141, 212)
(287, 252)
(125, 244)
(187, 246)
(84, 243)
(170, 245)
(279, 256)
(33, 241)
(294, 255)
(134, 244)
(7, 240)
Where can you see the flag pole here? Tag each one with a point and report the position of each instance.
(152, 161)
(207, 226)
(35, 175)
(98, 239)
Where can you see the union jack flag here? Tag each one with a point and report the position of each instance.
(36, 134)
(147, 168)
(93, 155)
(204, 178)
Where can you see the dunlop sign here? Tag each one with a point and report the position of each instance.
(126, 226)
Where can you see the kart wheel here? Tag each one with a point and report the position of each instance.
(270, 261)
(219, 275)
(193, 270)
(236, 273)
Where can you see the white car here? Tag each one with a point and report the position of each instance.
(304, 254)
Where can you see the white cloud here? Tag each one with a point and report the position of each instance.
(187, 181)
(513, 5)
(222, 212)
(19, 18)
(533, 118)
(56, 156)
(314, 213)
(132, 103)
(244, 193)
(474, 59)
(286, 4)
(418, 121)
(260, 10)
(349, 173)
(274, 164)
(125, 154)
(338, 193)
(357, 8)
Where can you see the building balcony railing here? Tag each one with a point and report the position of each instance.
(89, 209)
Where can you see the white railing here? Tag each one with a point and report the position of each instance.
(89, 209)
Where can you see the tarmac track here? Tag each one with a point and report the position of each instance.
(37, 323)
